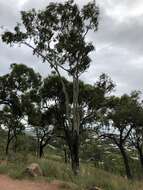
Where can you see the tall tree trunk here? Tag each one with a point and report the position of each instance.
(7, 143)
(72, 140)
(73, 127)
(42, 145)
(38, 143)
(126, 162)
(65, 155)
(140, 152)
(15, 143)
(75, 130)
(7, 148)
(41, 151)
(75, 153)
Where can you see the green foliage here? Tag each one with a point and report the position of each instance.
(58, 33)
(4, 169)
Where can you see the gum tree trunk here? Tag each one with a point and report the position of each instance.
(9, 139)
(140, 152)
(126, 162)
(75, 154)
(72, 131)
(75, 134)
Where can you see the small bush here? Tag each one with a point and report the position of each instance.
(4, 169)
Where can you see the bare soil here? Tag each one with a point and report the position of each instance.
(6, 183)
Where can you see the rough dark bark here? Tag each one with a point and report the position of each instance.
(7, 148)
(15, 141)
(9, 138)
(140, 152)
(72, 139)
(15, 145)
(42, 145)
(126, 162)
(41, 152)
(65, 156)
(75, 154)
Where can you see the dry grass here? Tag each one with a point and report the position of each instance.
(89, 176)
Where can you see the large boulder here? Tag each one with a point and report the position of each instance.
(34, 170)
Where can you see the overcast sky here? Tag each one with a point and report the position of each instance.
(119, 42)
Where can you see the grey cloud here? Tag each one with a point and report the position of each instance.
(127, 34)
(124, 68)
(21, 55)
(9, 13)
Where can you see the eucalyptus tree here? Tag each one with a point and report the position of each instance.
(92, 102)
(40, 119)
(13, 87)
(57, 34)
(136, 139)
(13, 126)
(119, 124)
(53, 96)
(136, 136)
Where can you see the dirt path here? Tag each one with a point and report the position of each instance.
(6, 183)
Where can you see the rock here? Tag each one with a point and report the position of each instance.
(33, 170)
(3, 162)
(64, 185)
(94, 188)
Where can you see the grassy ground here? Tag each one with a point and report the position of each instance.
(54, 169)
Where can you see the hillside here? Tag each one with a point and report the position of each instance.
(53, 169)
(68, 127)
